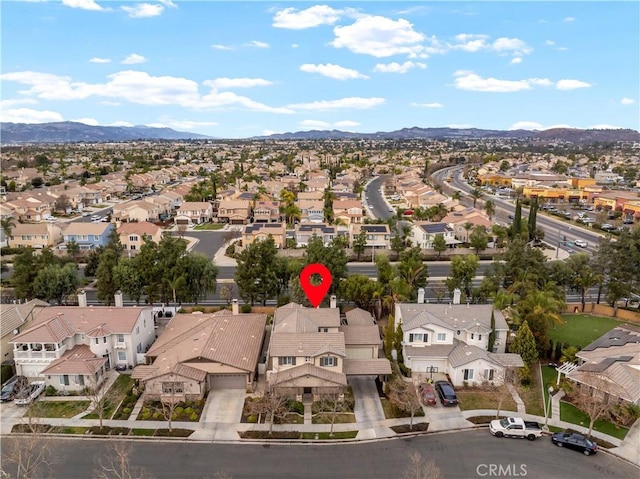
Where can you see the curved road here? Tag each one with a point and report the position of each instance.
(466, 455)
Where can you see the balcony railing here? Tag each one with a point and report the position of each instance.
(37, 354)
(120, 346)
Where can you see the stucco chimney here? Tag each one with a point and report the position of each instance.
(333, 303)
(82, 298)
(118, 298)
(420, 295)
(234, 307)
(456, 296)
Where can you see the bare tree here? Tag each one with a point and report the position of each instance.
(172, 392)
(333, 403)
(404, 396)
(439, 289)
(495, 382)
(181, 229)
(116, 463)
(99, 396)
(419, 469)
(29, 456)
(591, 398)
(226, 293)
(272, 403)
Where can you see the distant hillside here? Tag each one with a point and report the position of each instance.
(69, 131)
(557, 134)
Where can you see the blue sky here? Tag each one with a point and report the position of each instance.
(241, 69)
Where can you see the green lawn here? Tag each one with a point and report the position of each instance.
(581, 329)
(531, 395)
(549, 377)
(341, 418)
(392, 412)
(69, 430)
(570, 413)
(209, 226)
(325, 435)
(479, 398)
(64, 409)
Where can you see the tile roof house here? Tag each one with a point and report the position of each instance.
(132, 235)
(349, 211)
(311, 352)
(235, 212)
(423, 234)
(36, 235)
(61, 335)
(13, 319)
(611, 364)
(261, 231)
(195, 212)
(267, 212)
(136, 210)
(378, 236)
(311, 211)
(198, 352)
(305, 231)
(457, 221)
(88, 235)
(453, 339)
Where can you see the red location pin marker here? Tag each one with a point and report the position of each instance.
(315, 293)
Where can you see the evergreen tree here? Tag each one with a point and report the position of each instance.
(256, 271)
(492, 335)
(524, 344)
(517, 219)
(533, 212)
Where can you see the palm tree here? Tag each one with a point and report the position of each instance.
(7, 225)
(490, 208)
(456, 195)
(468, 226)
(476, 194)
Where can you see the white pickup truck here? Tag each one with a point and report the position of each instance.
(515, 427)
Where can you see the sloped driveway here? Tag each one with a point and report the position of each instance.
(224, 406)
(368, 408)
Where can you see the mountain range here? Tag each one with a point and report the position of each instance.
(68, 132)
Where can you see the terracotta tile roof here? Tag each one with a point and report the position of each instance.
(306, 344)
(359, 317)
(120, 320)
(366, 366)
(354, 335)
(99, 331)
(12, 316)
(78, 360)
(140, 228)
(307, 369)
(180, 370)
(143, 370)
(54, 330)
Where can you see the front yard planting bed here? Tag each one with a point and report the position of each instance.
(392, 412)
(294, 414)
(325, 418)
(30, 428)
(570, 413)
(173, 433)
(69, 430)
(188, 411)
(109, 431)
(531, 395)
(63, 409)
(404, 428)
(482, 419)
(479, 398)
(325, 436)
(266, 435)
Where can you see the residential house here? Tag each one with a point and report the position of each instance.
(378, 236)
(363, 345)
(311, 195)
(132, 235)
(194, 212)
(610, 366)
(261, 231)
(88, 235)
(464, 222)
(267, 212)
(305, 231)
(164, 204)
(199, 352)
(235, 212)
(349, 211)
(136, 210)
(311, 211)
(423, 234)
(28, 209)
(453, 340)
(36, 235)
(15, 318)
(63, 338)
(308, 351)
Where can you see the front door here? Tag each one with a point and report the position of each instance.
(307, 390)
(108, 365)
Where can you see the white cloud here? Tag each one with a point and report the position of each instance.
(516, 60)
(99, 60)
(144, 10)
(257, 44)
(526, 125)
(475, 42)
(549, 43)
(333, 71)
(83, 4)
(142, 88)
(604, 127)
(87, 121)
(215, 99)
(17, 101)
(314, 124)
(221, 47)
(466, 80)
(133, 59)
(294, 45)
(120, 123)
(50, 87)
(356, 103)
(395, 67)
(226, 83)
(27, 115)
(470, 42)
(627, 101)
(428, 105)
(110, 103)
(569, 19)
(271, 132)
(379, 37)
(511, 45)
(295, 19)
(571, 84)
(345, 123)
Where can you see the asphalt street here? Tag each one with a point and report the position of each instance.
(466, 455)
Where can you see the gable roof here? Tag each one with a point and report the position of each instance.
(307, 344)
(452, 316)
(53, 330)
(295, 318)
(78, 360)
(307, 369)
(12, 316)
(359, 317)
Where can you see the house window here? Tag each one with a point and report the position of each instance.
(323, 330)
(442, 337)
(307, 359)
(132, 247)
(133, 238)
(96, 238)
(286, 361)
(122, 356)
(329, 361)
(139, 348)
(479, 337)
(97, 340)
(471, 335)
(104, 340)
(172, 388)
(120, 338)
(80, 379)
(468, 374)
(488, 374)
(64, 380)
(417, 338)
(138, 330)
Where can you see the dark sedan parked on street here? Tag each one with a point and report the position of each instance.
(447, 394)
(577, 442)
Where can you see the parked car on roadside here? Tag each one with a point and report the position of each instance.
(515, 427)
(12, 387)
(427, 394)
(446, 393)
(575, 441)
(31, 394)
(581, 243)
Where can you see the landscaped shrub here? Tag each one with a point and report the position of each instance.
(126, 410)
(252, 418)
(146, 416)
(50, 391)
(193, 417)
(188, 411)
(245, 308)
(295, 406)
(179, 410)
(156, 415)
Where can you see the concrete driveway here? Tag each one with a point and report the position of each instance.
(368, 408)
(224, 406)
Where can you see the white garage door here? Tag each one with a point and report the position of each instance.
(359, 353)
(227, 381)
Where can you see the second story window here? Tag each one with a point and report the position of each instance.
(286, 361)
(329, 361)
(442, 337)
(120, 338)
